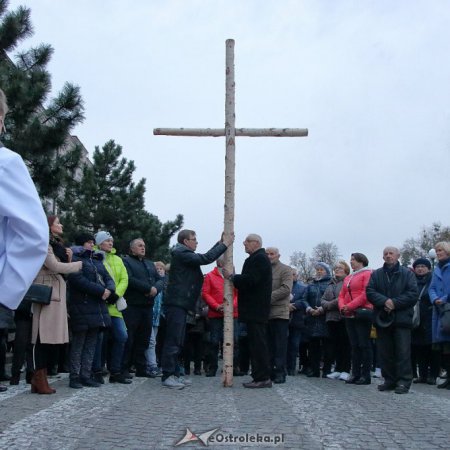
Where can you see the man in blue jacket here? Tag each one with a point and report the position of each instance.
(183, 290)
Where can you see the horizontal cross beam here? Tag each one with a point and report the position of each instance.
(217, 132)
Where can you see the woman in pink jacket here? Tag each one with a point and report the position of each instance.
(357, 311)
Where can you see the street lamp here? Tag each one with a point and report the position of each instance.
(432, 255)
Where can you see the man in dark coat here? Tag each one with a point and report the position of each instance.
(144, 284)
(254, 287)
(392, 290)
(183, 290)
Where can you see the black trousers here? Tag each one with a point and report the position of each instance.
(278, 342)
(359, 336)
(259, 350)
(339, 345)
(139, 320)
(22, 346)
(173, 340)
(427, 360)
(394, 349)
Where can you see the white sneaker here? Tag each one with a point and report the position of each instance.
(172, 383)
(377, 373)
(344, 376)
(334, 375)
(185, 381)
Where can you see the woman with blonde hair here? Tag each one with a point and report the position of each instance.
(440, 297)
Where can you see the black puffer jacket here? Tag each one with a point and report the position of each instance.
(186, 277)
(254, 287)
(400, 286)
(86, 307)
(142, 276)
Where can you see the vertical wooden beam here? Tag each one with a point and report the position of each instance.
(230, 139)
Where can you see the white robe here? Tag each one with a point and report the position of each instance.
(24, 231)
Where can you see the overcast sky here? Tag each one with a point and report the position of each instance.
(369, 79)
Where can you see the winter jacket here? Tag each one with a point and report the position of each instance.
(315, 325)
(212, 293)
(87, 309)
(400, 286)
(116, 268)
(281, 291)
(50, 321)
(142, 276)
(297, 317)
(422, 335)
(329, 300)
(186, 277)
(254, 287)
(440, 289)
(353, 292)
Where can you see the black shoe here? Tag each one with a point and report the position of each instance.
(363, 380)
(238, 373)
(197, 372)
(431, 380)
(14, 381)
(74, 383)
(401, 389)
(98, 377)
(291, 373)
(119, 378)
(210, 373)
(127, 374)
(4, 377)
(89, 382)
(386, 387)
(279, 380)
(303, 371)
(3, 388)
(52, 372)
(444, 385)
(145, 375)
(352, 379)
(311, 373)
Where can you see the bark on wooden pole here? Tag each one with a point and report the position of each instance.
(230, 119)
(218, 132)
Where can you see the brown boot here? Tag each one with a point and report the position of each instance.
(39, 383)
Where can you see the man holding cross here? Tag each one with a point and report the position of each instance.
(183, 290)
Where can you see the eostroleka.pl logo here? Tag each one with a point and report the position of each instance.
(219, 437)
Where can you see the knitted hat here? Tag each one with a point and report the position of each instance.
(324, 266)
(422, 261)
(102, 236)
(82, 238)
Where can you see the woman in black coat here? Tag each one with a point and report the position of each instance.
(422, 353)
(89, 290)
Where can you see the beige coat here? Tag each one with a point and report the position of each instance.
(281, 291)
(50, 321)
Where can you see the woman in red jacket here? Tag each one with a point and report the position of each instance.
(212, 293)
(357, 311)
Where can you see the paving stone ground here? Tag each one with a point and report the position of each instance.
(309, 413)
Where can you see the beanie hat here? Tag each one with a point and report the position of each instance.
(102, 236)
(423, 261)
(324, 266)
(82, 238)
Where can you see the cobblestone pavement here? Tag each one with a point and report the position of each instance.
(310, 413)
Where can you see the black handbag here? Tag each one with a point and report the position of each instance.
(40, 294)
(444, 313)
(364, 314)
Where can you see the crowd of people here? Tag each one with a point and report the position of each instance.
(115, 316)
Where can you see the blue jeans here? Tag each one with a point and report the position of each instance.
(119, 339)
(294, 339)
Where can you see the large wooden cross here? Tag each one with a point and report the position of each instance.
(230, 132)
